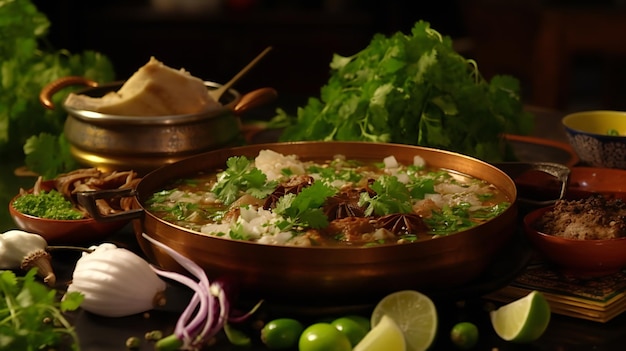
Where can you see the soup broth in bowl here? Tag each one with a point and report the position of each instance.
(279, 199)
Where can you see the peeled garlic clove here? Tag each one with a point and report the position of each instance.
(116, 282)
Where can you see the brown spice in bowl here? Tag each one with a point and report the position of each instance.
(591, 218)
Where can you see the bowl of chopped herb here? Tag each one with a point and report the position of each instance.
(64, 231)
(598, 137)
(51, 209)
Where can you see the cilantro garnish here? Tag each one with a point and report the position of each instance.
(31, 315)
(239, 177)
(330, 174)
(304, 209)
(450, 219)
(392, 196)
(491, 211)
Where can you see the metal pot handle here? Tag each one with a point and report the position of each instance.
(254, 99)
(88, 200)
(45, 96)
(559, 171)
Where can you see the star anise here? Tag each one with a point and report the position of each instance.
(293, 185)
(345, 204)
(402, 223)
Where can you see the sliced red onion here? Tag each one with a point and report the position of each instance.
(210, 304)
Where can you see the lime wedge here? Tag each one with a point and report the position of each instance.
(385, 336)
(523, 320)
(414, 313)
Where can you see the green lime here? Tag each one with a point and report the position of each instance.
(281, 333)
(414, 313)
(464, 335)
(523, 320)
(364, 322)
(385, 336)
(353, 330)
(323, 337)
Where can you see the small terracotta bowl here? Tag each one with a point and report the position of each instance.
(60, 232)
(592, 136)
(581, 258)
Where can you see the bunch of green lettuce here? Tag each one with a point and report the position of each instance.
(27, 64)
(412, 89)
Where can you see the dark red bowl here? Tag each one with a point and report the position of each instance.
(59, 232)
(583, 182)
(583, 258)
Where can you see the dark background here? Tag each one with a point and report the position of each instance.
(214, 39)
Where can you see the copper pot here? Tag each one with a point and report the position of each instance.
(322, 275)
(143, 143)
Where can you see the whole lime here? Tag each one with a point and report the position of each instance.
(323, 337)
(281, 333)
(464, 335)
(353, 330)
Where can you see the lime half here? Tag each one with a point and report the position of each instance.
(385, 336)
(414, 313)
(523, 320)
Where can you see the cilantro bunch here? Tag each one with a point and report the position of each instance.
(31, 315)
(412, 89)
(27, 64)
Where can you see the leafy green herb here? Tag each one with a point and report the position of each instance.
(491, 211)
(182, 210)
(49, 155)
(412, 89)
(31, 315)
(304, 209)
(391, 196)
(27, 64)
(330, 174)
(421, 186)
(450, 219)
(52, 205)
(239, 177)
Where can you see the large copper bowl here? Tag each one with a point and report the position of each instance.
(323, 275)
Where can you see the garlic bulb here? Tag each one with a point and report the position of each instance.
(116, 282)
(20, 249)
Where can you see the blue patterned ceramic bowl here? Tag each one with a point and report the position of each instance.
(598, 137)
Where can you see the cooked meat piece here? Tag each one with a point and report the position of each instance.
(350, 229)
(591, 218)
